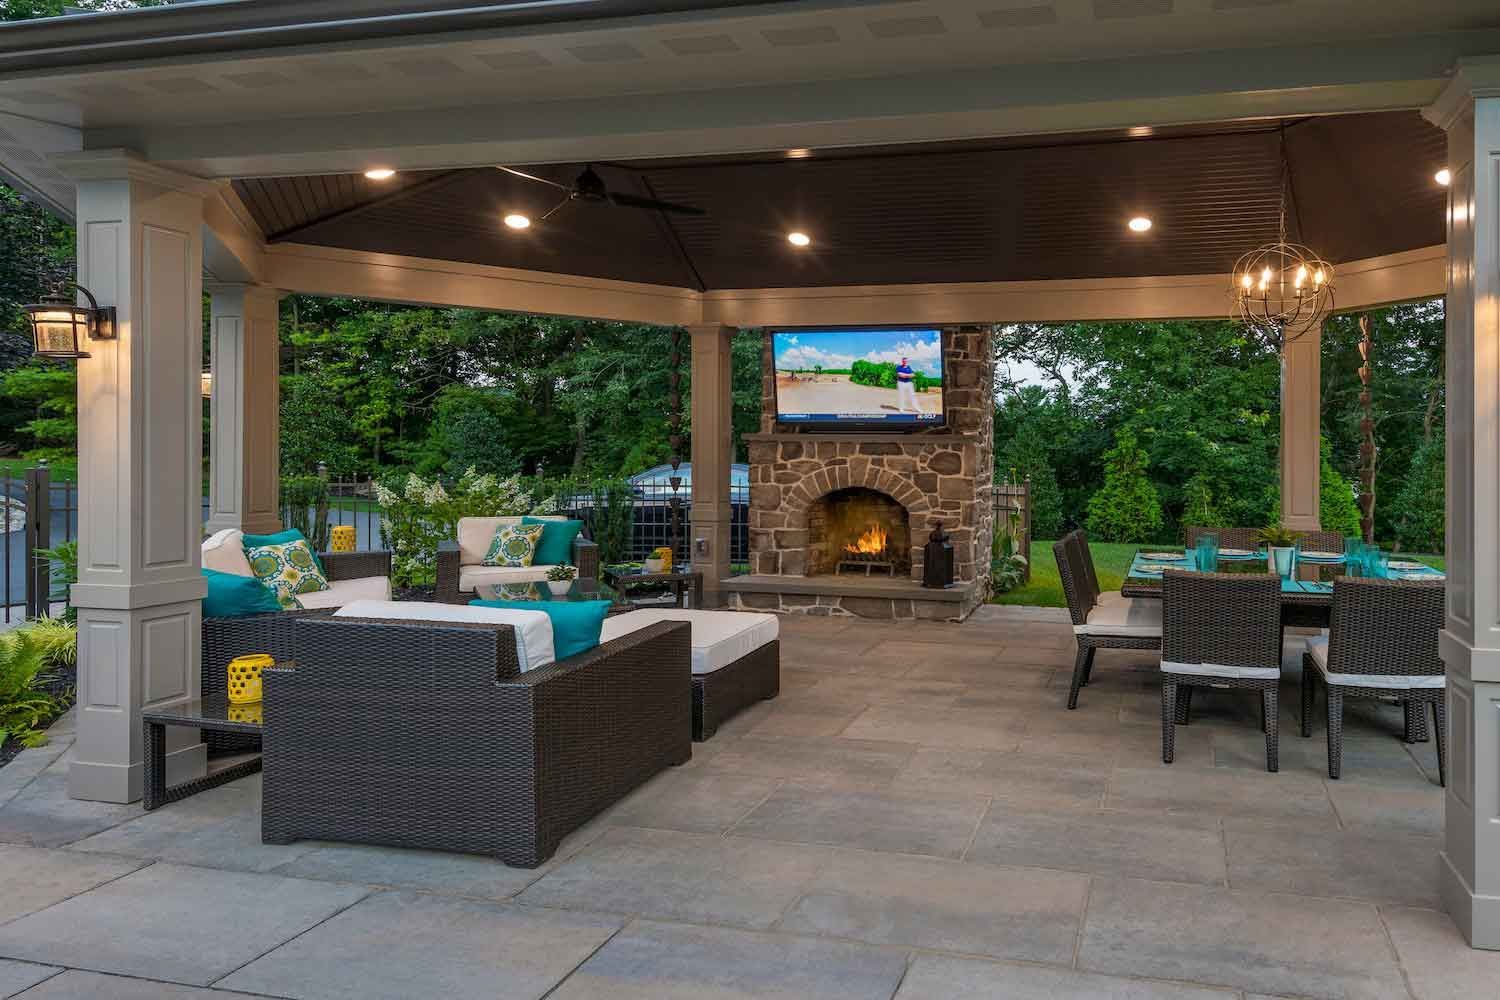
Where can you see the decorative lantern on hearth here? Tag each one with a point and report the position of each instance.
(937, 559)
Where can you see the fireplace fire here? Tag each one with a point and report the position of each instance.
(858, 530)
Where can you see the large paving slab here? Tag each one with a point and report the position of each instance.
(1336, 863)
(18, 976)
(949, 906)
(937, 977)
(972, 728)
(34, 878)
(187, 925)
(910, 824)
(1019, 780)
(428, 871)
(396, 946)
(839, 763)
(651, 961)
(1103, 843)
(1261, 942)
(1439, 964)
(1372, 807)
(681, 876)
(1223, 792)
(76, 985)
(41, 813)
(694, 802)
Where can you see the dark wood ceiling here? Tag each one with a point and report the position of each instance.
(1042, 207)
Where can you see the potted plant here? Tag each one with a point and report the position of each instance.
(660, 560)
(1281, 547)
(560, 579)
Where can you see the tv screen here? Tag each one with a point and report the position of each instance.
(845, 378)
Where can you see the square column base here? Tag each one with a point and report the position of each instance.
(1477, 916)
(97, 782)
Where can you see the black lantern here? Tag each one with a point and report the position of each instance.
(937, 559)
(59, 326)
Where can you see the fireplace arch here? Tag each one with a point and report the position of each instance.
(858, 530)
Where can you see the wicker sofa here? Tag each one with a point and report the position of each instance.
(458, 561)
(427, 735)
(226, 638)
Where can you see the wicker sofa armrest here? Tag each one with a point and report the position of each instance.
(355, 565)
(226, 638)
(586, 558)
(448, 568)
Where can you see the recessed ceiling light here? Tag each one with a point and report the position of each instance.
(516, 220)
(1139, 224)
(380, 173)
(1140, 131)
(798, 154)
(1443, 177)
(798, 239)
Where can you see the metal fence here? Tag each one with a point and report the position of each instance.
(1012, 504)
(40, 513)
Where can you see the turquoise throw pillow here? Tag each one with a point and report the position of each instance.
(281, 538)
(575, 624)
(556, 546)
(231, 596)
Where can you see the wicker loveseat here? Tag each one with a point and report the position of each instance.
(427, 735)
(459, 568)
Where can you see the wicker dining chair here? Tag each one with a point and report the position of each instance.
(1382, 643)
(1229, 538)
(1132, 623)
(1220, 630)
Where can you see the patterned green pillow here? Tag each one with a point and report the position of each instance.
(288, 569)
(513, 545)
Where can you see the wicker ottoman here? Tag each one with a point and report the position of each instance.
(736, 659)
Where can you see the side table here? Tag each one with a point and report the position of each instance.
(213, 714)
(680, 582)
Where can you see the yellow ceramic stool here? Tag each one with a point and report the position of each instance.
(244, 677)
(341, 538)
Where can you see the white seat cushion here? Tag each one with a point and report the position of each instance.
(1317, 646)
(1221, 670)
(224, 551)
(1113, 597)
(533, 628)
(476, 533)
(471, 577)
(1130, 617)
(342, 592)
(719, 637)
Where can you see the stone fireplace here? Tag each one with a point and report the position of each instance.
(838, 521)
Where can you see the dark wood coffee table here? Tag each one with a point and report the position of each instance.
(680, 582)
(213, 714)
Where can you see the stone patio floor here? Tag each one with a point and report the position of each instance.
(916, 816)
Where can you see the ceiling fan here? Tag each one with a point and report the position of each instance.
(590, 188)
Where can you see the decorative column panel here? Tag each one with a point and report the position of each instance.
(244, 414)
(1469, 111)
(140, 444)
(1301, 430)
(713, 453)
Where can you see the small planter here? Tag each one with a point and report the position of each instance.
(655, 565)
(559, 588)
(1283, 560)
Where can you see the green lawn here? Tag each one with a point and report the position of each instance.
(66, 468)
(1111, 560)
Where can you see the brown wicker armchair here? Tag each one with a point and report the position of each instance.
(226, 638)
(1382, 643)
(450, 588)
(427, 735)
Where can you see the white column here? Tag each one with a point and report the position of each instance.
(1301, 428)
(140, 439)
(713, 453)
(244, 413)
(1469, 111)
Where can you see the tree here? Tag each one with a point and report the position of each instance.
(49, 394)
(1422, 500)
(313, 430)
(1199, 503)
(1126, 508)
(1026, 453)
(1337, 510)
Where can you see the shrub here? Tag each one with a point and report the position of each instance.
(1025, 455)
(1421, 500)
(64, 573)
(1126, 508)
(23, 707)
(418, 515)
(1337, 510)
(304, 506)
(1199, 508)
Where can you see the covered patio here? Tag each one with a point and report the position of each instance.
(949, 166)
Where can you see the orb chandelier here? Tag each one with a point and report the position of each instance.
(1282, 290)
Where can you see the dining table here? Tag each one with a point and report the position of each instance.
(1303, 602)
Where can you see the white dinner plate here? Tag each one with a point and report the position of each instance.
(1325, 556)
(1406, 564)
(1154, 567)
(1421, 576)
(1235, 552)
(1164, 556)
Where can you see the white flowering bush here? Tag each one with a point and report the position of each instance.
(418, 514)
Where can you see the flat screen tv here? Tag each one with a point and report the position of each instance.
(859, 378)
